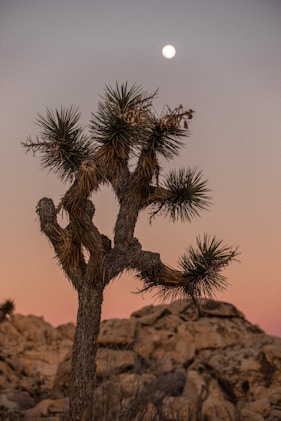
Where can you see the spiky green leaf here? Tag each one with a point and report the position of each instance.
(62, 144)
(186, 193)
(202, 267)
(121, 118)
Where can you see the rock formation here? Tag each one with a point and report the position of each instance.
(165, 362)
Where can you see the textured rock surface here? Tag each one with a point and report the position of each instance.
(30, 352)
(165, 361)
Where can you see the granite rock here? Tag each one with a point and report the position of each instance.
(168, 361)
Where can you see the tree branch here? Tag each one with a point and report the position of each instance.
(156, 194)
(151, 270)
(81, 210)
(67, 247)
(80, 216)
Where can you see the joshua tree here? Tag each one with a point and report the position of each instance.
(123, 147)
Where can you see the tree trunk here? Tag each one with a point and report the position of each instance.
(83, 368)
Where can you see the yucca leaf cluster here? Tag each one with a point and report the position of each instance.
(201, 267)
(62, 144)
(186, 194)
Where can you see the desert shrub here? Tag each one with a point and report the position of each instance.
(7, 308)
(142, 398)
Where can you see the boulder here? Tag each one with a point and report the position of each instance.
(30, 353)
(171, 361)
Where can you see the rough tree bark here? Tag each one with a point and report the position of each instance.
(90, 297)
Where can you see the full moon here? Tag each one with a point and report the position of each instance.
(169, 51)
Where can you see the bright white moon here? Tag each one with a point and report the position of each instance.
(169, 51)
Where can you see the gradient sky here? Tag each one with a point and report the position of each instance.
(227, 68)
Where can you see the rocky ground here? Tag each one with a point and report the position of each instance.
(164, 363)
